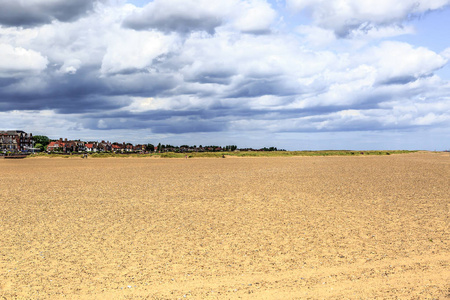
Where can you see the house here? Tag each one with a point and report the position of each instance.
(139, 148)
(104, 146)
(128, 147)
(91, 147)
(15, 140)
(55, 146)
(79, 146)
(116, 148)
(65, 146)
(69, 146)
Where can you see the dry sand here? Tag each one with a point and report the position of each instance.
(261, 228)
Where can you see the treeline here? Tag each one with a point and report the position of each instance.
(186, 148)
(209, 148)
(43, 141)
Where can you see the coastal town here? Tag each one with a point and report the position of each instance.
(18, 141)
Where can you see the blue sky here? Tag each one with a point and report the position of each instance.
(295, 74)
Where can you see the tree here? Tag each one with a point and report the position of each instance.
(41, 139)
(150, 148)
(230, 147)
(40, 146)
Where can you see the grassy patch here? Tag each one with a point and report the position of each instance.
(51, 155)
(318, 153)
(236, 154)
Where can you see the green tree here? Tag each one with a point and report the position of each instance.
(41, 139)
(40, 146)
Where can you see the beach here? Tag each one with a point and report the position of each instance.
(337, 227)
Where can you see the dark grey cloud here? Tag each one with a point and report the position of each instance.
(166, 17)
(399, 80)
(336, 125)
(140, 84)
(189, 126)
(187, 16)
(218, 76)
(171, 122)
(172, 23)
(83, 92)
(262, 87)
(258, 31)
(158, 122)
(4, 82)
(103, 100)
(216, 118)
(21, 13)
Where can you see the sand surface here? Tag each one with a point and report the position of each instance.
(250, 228)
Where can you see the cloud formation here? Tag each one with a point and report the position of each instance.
(19, 61)
(231, 67)
(37, 12)
(345, 16)
(184, 16)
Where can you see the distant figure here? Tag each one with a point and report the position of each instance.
(223, 156)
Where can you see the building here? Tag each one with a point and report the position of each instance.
(104, 146)
(15, 140)
(66, 146)
(117, 148)
(56, 146)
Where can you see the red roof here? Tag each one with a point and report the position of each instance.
(89, 145)
(55, 144)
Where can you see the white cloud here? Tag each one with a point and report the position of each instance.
(396, 60)
(184, 16)
(316, 36)
(181, 15)
(102, 124)
(431, 119)
(446, 53)
(17, 60)
(344, 16)
(376, 32)
(41, 122)
(142, 105)
(255, 16)
(70, 66)
(129, 50)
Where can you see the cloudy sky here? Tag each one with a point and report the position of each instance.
(295, 74)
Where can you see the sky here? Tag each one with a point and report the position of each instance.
(294, 74)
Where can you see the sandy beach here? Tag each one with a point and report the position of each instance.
(237, 228)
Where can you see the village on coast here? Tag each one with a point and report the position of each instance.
(18, 141)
